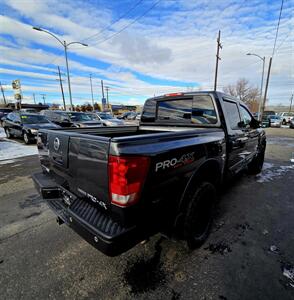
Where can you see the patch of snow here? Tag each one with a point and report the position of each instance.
(10, 150)
(288, 272)
(271, 172)
(7, 161)
(267, 165)
(2, 133)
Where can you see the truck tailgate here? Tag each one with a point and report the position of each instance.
(77, 163)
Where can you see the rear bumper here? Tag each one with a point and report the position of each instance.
(95, 226)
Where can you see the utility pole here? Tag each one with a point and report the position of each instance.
(266, 87)
(103, 99)
(61, 87)
(2, 90)
(102, 88)
(34, 98)
(291, 100)
(219, 46)
(107, 100)
(44, 97)
(92, 90)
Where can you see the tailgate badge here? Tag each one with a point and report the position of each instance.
(56, 144)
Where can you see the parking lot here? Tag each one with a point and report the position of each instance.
(249, 255)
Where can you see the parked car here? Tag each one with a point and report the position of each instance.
(292, 123)
(275, 121)
(130, 115)
(72, 118)
(265, 120)
(29, 110)
(286, 117)
(108, 120)
(26, 125)
(3, 113)
(121, 185)
(138, 116)
(83, 119)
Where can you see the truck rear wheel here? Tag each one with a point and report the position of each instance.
(199, 215)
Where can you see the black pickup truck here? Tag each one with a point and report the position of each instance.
(118, 186)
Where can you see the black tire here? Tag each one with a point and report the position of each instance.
(199, 215)
(255, 166)
(26, 138)
(7, 132)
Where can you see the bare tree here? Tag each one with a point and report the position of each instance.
(243, 90)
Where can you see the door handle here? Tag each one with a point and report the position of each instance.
(242, 139)
(239, 142)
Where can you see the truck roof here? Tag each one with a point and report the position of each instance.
(186, 94)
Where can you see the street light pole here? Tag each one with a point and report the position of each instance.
(68, 77)
(261, 85)
(65, 45)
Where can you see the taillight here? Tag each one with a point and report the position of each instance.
(126, 178)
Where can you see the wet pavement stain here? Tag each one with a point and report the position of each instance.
(34, 214)
(220, 247)
(145, 275)
(242, 228)
(175, 295)
(31, 201)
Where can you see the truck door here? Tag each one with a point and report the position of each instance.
(237, 138)
(250, 131)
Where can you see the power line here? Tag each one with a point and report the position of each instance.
(118, 19)
(277, 31)
(128, 25)
(284, 40)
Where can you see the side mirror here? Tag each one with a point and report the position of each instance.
(241, 124)
(255, 123)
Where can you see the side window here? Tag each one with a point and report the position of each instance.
(13, 117)
(17, 118)
(232, 113)
(149, 111)
(245, 115)
(9, 117)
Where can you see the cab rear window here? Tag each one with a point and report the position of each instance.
(195, 110)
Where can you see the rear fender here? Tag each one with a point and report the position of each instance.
(211, 171)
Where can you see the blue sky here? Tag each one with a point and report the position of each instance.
(171, 48)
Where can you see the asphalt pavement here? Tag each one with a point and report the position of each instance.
(249, 255)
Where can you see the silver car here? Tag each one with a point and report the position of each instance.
(275, 121)
(108, 120)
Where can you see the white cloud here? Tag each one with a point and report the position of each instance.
(177, 45)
